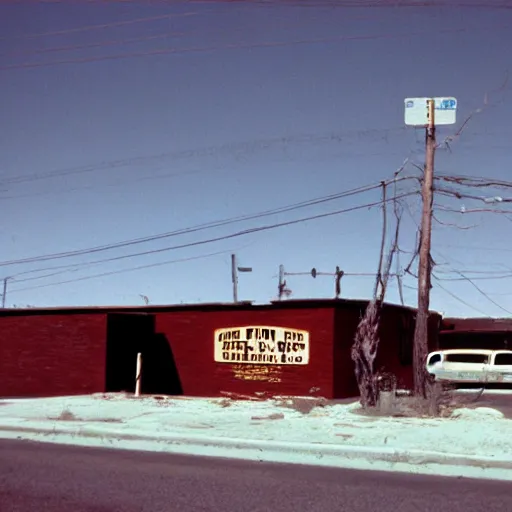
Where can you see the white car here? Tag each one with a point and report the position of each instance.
(471, 365)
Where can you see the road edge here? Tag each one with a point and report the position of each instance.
(350, 457)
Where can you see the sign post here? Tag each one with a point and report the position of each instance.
(417, 111)
(138, 374)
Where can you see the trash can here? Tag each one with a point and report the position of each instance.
(387, 393)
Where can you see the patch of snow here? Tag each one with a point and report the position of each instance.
(125, 421)
(485, 413)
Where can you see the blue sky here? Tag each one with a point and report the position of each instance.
(113, 131)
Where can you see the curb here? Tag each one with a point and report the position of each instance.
(310, 451)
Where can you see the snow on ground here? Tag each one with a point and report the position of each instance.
(478, 431)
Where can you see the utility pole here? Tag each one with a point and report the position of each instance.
(282, 282)
(234, 276)
(420, 349)
(378, 282)
(338, 274)
(4, 293)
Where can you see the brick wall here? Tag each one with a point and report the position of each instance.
(191, 335)
(52, 354)
(63, 353)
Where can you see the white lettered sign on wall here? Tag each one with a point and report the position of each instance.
(262, 345)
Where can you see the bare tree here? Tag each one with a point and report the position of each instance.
(366, 342)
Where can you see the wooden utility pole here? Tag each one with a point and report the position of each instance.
(379, 284)
(282, 283)
(338, 274)
(4, 293)
(420, 350)
(234, 278)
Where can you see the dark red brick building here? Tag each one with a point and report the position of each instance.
(490, 333)
(296, 347)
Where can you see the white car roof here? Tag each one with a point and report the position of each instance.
(470, 351)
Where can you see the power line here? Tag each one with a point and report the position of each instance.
(481, 275)
(463, 210)
(402, 3)
(251, 145)
(246, 232)
(115, 42)
(238, 46)
(473, 181)
(476, 278)
(460, 195)
(100, 26)
(100, 44)
(240, 233)
(192, 229)
(131, 269)
(353, 274)
(103, 186)
(475, 248)
(451, 224)
(124, 181)
(113, 272)
(360, 4)
(456, 297)
(196, 228)
(470, 281)
(485, 272)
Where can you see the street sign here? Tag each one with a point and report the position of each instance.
(416, 111)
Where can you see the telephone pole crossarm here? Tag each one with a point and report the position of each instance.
(314, 273)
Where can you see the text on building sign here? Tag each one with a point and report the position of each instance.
(261, 345)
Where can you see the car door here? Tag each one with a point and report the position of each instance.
(466, 365)
(502, 366)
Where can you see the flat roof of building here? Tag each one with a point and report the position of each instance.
(216, 306)
(476, 324)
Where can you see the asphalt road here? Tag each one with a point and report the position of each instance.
(45, 477)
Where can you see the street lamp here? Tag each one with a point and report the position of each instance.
(234, 276)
